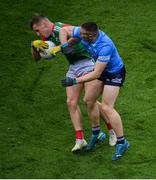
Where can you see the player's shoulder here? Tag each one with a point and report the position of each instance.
(60, 24)
(104, 43)
(104, 39)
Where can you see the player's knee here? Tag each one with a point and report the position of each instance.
(88, 101)
(105, 108)
(71, 103)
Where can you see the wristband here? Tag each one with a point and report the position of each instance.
(64, 45)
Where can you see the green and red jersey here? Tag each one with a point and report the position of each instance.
(79, 51)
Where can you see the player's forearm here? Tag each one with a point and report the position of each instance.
(88, 77)
(98, 69)
(65, 33)
(63, 36)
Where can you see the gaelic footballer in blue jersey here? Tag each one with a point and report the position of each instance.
(109, 68)
(103, 50)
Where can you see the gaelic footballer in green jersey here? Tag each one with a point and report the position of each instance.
(80, 63)
(78, 51)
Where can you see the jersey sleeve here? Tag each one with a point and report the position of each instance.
(105, 53)
(76, 32)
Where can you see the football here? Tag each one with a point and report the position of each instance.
(46, 53)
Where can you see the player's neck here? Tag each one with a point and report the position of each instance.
(52, 25)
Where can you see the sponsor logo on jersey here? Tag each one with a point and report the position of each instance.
(103, 58)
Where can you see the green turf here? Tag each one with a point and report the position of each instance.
(36, 135)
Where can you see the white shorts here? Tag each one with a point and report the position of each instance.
(80, 68)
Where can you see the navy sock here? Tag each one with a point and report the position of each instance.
(96, 130)
(120, 140)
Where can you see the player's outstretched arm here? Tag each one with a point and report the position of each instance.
(99, 67)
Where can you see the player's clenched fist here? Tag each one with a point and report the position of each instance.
(68, 82)
(39, 44)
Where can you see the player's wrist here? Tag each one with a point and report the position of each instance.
(75, 82)
(68, 82)
(64, 45)
(66, 48)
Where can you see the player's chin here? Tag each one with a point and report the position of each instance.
(46, 35)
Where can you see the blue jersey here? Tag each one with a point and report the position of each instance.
(102, 50)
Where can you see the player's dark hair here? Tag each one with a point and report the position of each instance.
(90, 26)
(36, 19)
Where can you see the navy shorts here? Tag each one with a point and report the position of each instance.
(116, 79)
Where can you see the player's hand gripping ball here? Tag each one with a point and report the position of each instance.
(43, 48)
(46, 53)
(40, 45)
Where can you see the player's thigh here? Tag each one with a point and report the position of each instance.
(110, 94)
(93, 89)
(74, 92)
